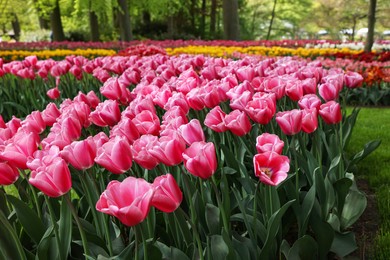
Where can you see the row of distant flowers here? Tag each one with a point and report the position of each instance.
(378, 46)
(117, 45)
(220, 51)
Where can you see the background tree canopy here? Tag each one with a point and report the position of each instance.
(106, 20)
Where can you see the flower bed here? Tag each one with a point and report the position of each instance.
(177, 157)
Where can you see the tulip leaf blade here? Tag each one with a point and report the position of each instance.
(10, 245)
(354, 206)
(65, 229)
(213, 218)
(30, 221)
(304, 248)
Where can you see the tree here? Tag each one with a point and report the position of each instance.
(231, 26)
(272, 19)
(124, 21)
(371, 26)
(56, 23)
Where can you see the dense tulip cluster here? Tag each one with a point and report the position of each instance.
(192, 116)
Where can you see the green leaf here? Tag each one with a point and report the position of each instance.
(273, 226)
(342, 189)
(30, 221)
(249, 222)
(65, 229)
(307, 206)
(368, 148)
(343, 244)
(219, 248)
(10, 246)
(44, 244)
(213, 219)
(304, 248)
(323, 233)
(178, 254)
(354, 206)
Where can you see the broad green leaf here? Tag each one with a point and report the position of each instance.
(10, 246)
(367, 150)
(284, 248)
(219, 249)
(343, 244)
(342, 187)
(307, 206)
(320, 190)
(178, 254)
(354, 206)
(213, 219)
(323, 233)
(44, 244)
(27, 217)
(261, 231)
(304, 248)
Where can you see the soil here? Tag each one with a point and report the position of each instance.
(367, 226)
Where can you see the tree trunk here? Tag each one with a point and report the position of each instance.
(124, 21)
(171, 26)
(16, 27)
(193, 14)
(213, 16)
(371, 26)
(56, 24)
(94, 26)
(44, 23)
(203, 19)
(353, 30)
(231, 27)
(272, 20)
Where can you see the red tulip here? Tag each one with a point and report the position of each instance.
(200, 159)
(8, 173)
(290, 121)
(271, 167)
(330, 112)
(269, 143)
(238, 123)
(129, 201)
(80, 154)
(167, 194)
(54, 179)
(115, 155)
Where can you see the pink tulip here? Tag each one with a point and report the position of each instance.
(53, 93)
(90, 99)
(192, 132)
(200, 159)
(147, 122)
(168, 151)
(294, 90)
(112, 89)
(309, 120)
(14, 124)
(115, 155)
(328, 91)
(195, 99)
(167, 194)
(310, 101)
(19, 148)
(290, 121)
(245, 73)
(80, 154)
(238, 123)
(53, 180)
(129, 201)
(76, 71)
(309, 86)
(34, 122)
(269, 143)
(106, 114)
(100, 139)
(125, 128)
(330, 112)
(271, 167)
(241, 101)
(50, 114)
(2, 123)
(141, 151)
(262, 108)
(215, 120)
(8, 173)
(353, 79)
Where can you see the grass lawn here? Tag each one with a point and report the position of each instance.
(374, 123)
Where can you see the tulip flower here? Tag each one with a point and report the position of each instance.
(106, 114)
(330, 112)
(80, 154)
(290, 121)
(328, 91)
(310, 101)
(352, 79)
(192, 132)
(8, 173)
(238, 123)
(34, 122)
(2, 123)
(271, 167)
(50, 114)
(115, 155)
(129, 201)
(309, 120)
(53, 93)
(147, 122)
(168, 151)
(54, 179)
(200, 159)
(167, 194)
(269, 143)
(215, 120)
(141, 151)
(125, 128)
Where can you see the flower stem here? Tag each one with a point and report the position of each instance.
(220, 205)
(34, 193)
(81, 230)
(55, 226)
